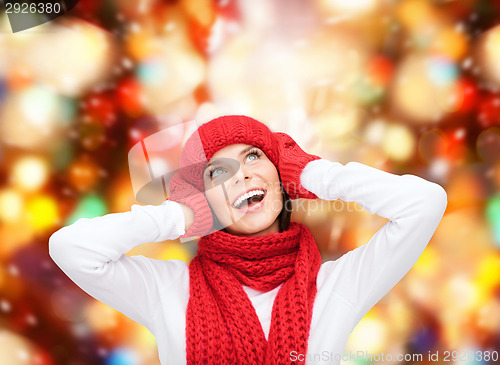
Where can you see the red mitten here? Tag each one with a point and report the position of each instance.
(292, 160)
(183, 192)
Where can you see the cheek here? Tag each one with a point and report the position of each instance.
(217, 201)
(214, 198)
(275, 198)
(276, 202)
(274, 181)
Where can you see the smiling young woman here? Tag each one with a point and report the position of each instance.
(256, 292)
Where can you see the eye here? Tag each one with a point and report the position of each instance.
(216, 172)
(253, 155)
(249, 157)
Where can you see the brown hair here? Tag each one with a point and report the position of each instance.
(286, 212)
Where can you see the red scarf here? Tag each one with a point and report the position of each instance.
(222, 326)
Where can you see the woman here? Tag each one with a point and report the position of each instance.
(256, 293)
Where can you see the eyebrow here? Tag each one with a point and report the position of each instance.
(245, 150)
(242, 152)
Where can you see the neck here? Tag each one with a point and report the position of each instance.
(273, 228)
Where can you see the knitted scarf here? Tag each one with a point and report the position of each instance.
(222, 326)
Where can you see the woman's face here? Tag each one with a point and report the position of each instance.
(243, 188)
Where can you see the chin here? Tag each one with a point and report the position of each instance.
(251, 226)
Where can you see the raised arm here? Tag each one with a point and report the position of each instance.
(414, 207)
(91, 252)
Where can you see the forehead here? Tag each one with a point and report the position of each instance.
(231, 151)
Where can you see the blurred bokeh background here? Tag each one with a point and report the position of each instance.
(406, 86)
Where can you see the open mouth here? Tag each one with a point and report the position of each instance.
(249, 199)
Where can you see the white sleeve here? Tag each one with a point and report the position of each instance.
(414, 207)
(91, 252)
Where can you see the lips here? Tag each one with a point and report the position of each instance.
(246, 195)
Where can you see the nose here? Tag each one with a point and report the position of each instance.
(241, 175)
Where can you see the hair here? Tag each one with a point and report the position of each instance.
(283, 218)
(286, 212)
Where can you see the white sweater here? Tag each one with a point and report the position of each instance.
(155, 292)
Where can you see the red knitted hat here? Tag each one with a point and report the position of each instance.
(219, 133)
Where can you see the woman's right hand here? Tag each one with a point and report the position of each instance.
(197, 213)
(188, 215)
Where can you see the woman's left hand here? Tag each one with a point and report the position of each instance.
(292, 160)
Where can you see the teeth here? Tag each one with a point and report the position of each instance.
(240, 200)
